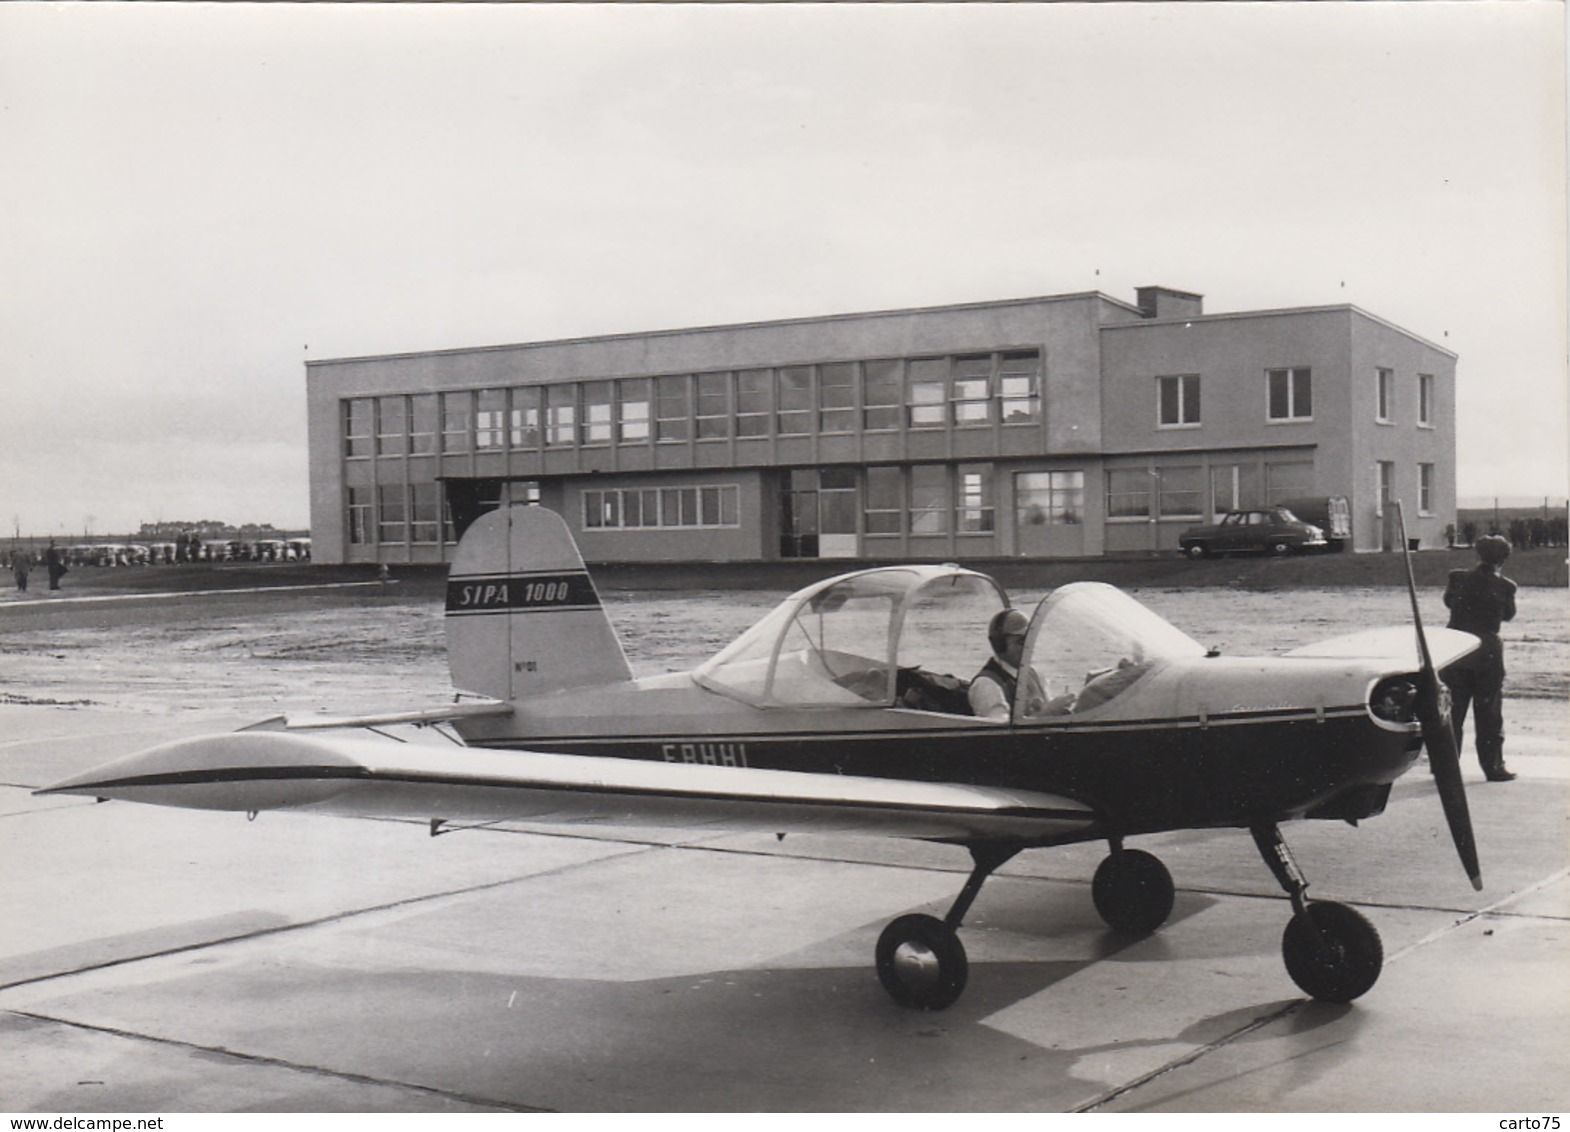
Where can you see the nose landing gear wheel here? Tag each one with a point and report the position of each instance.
(921, 962)
(1332, 952)
(1133, 891)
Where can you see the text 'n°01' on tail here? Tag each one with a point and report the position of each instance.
(523, 616)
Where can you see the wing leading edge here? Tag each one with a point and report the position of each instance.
(1395, 643)
(374, 777)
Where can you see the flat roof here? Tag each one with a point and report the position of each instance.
(1331, 308)
(757, 324)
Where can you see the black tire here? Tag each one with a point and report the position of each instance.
(921, 963)
(1332, 952)
(1280, 549)
(1196, 551)
(1133, 892)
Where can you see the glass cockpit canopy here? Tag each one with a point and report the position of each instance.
(841, 643)
(1095, 641)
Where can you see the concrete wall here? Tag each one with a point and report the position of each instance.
(1064, 328)
(1402, 441)
(1100, 358)
(1231, 353)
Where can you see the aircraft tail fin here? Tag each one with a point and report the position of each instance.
(523, 616)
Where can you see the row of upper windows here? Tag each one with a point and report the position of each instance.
(879, 394)
(962, 391)
(1386, 397)
(1289, 396)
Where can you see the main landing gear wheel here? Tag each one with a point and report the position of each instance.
(1332, 952)
(1133, 891)
(921, 962)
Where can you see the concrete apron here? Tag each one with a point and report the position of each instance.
(175, 961)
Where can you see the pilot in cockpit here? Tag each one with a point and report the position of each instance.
(993, 691)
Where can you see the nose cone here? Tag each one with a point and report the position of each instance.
(242, 770)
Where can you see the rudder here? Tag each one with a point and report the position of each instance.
(523, 616)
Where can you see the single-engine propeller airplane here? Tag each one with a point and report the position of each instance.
(840, 711)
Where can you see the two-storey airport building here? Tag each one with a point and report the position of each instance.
(1062, 426)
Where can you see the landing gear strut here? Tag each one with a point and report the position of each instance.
(921, 962)
(1331, 950)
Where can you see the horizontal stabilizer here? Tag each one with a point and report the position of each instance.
(443, 714)
(375, 777)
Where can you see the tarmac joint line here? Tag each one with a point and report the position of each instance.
(1192, 1056)
(278, 1063)
(280, 929)
(1291, 1008)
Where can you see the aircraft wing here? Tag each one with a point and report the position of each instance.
(358, 775)
(1397, 643)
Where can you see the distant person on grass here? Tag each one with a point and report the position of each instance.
(54, 561)
(21, 566)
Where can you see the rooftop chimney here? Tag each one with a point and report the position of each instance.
(1164, 302)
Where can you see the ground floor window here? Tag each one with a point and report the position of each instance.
(885, 508)
(1128, 493)
(1182, 492)
(425, 512)
(1288, 480)
(360, 516)
(929, 499)
(1425, 489)
(392, 515)
(1233, 487)
(717, 505)
(975, 499)
(1049, 498)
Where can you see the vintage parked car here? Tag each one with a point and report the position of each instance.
(1266, 530)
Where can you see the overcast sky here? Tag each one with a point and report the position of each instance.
(196, 199)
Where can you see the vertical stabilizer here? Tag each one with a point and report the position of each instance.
(523, 616)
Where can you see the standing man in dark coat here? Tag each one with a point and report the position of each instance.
(1479, 600)
(54, 561)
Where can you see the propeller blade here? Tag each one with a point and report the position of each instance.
(1439, 737)
(1444, 759)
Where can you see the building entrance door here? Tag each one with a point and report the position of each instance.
(1049, 514)
(818, 510)
(468, 499)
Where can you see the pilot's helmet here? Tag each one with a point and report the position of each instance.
(1493, 549)
(1006, 623)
